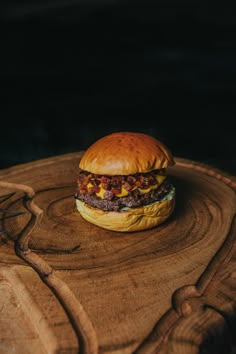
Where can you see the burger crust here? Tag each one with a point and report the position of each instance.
(126, 153)
(133, 219)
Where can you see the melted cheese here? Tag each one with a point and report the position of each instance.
(147, 190)
(124, 192)
(101, 193)
(89, 186)
(160, 179)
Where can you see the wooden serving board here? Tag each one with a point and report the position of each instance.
(67, 286)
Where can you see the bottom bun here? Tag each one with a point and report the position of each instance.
(133, 219)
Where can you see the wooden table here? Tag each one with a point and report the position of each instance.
(67, 286)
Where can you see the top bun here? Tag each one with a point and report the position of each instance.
(125, 153)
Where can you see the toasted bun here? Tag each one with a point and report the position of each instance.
(125, 153)
(135, 219)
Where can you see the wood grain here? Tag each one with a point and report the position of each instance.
(31, 322)
(171, 289)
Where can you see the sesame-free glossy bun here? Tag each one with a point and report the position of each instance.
(125, 153)
(133, 219)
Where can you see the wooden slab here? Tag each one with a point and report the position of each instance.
(171, 289)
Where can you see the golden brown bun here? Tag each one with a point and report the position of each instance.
(126, 153)
(135, 219)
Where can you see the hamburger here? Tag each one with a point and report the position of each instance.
(123, 185)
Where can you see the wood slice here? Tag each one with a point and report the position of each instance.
(171, 289)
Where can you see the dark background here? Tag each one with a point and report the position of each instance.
(77, 70)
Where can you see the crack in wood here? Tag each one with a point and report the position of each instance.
(74, 249)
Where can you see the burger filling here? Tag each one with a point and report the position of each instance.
(117, 193)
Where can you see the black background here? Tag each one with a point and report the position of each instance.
(75, 71)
